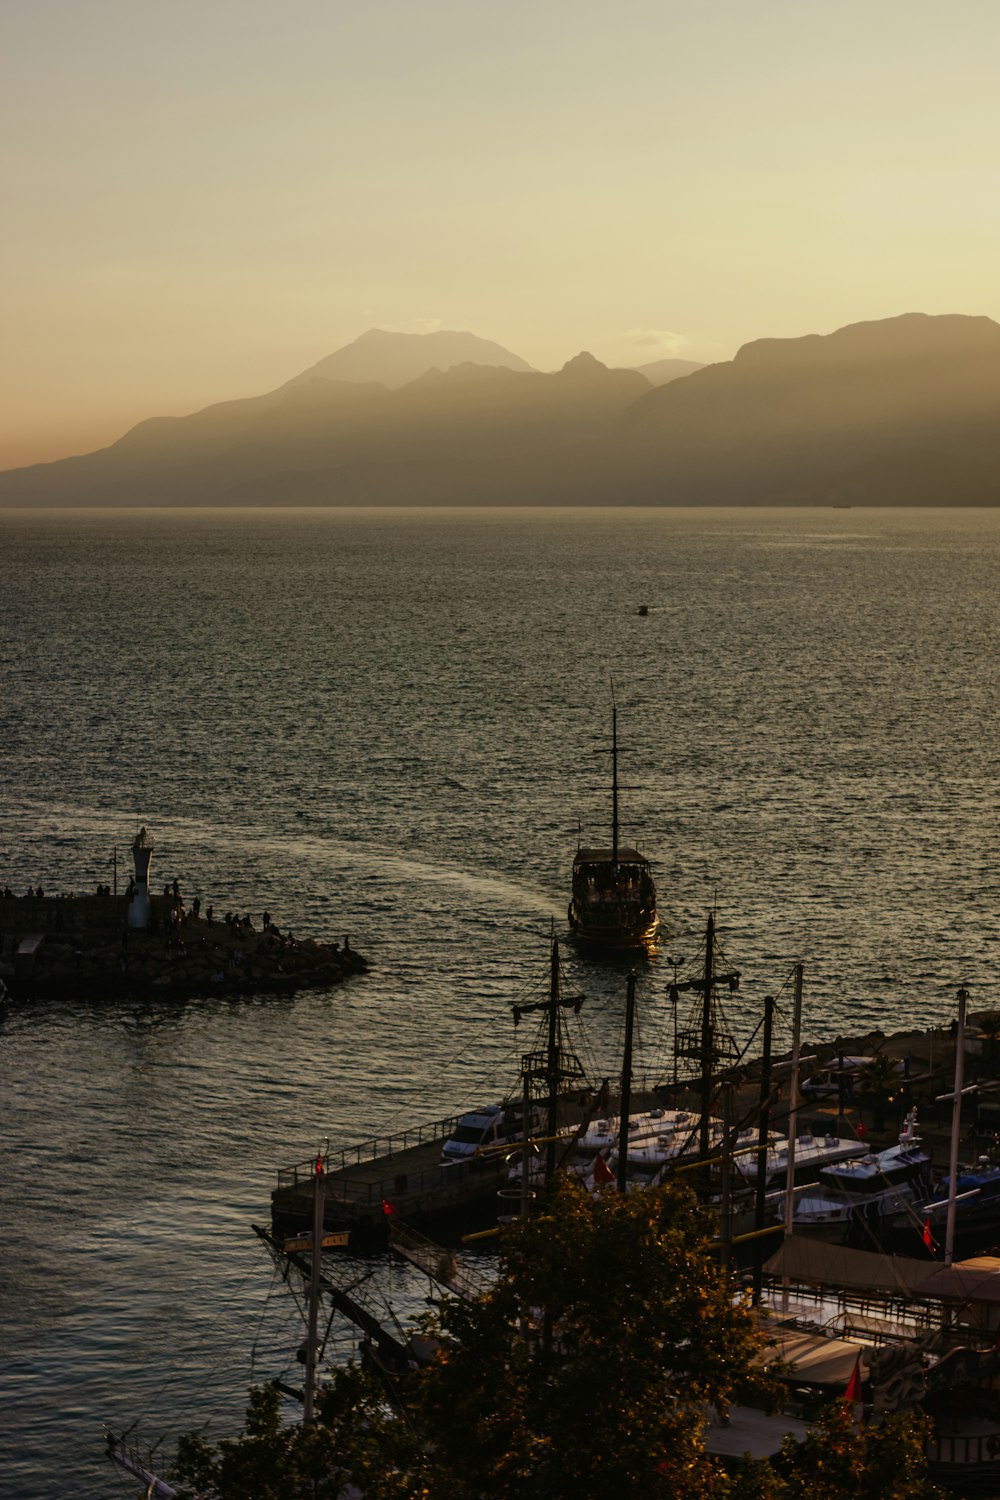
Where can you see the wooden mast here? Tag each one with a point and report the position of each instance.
(614, 782)
(312, 1335)
(793, 1121)
(626, 1093)
(763, 1130)
(552, 1068)
(956, 1130)
(708, 982)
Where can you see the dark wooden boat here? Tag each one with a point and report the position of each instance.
(613, 905)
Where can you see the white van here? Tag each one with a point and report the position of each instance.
(493, 1125)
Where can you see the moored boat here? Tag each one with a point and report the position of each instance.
(613, 905)
(863, 1195)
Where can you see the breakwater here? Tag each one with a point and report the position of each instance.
(79, 946)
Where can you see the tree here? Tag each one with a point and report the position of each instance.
(588, 1367)
(837, 1462)
(879, 1077)
(989, 1025)
(354, 1441)
(586, 1371)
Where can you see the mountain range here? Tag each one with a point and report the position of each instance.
(900, 411)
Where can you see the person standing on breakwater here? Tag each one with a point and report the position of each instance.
(196, 906)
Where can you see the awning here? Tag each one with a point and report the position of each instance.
(973, 1280)
(815, 1360)
(835, 1266)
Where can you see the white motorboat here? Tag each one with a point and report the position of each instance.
(863, 1194)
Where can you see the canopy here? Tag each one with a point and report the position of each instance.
(835, 1266)
(973, 1280)
(815, 1360)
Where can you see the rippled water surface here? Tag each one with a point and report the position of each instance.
(387, 724)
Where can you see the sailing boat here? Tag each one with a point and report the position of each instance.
(613, 906)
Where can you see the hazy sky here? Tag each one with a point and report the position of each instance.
(202, 199)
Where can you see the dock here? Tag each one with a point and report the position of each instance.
(379, 1180)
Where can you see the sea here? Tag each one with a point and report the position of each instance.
(394, 725)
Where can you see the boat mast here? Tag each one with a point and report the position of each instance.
(614, 781)
(956, 1130)
(793, 1121)
(763, 1131)
(312, 1336)
(626, 1098)
(708, 982)
(707, 1042)
(552, 1064)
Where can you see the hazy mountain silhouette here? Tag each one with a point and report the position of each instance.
(448, 436)
(662, 371)
(394, 359)
(903, 411)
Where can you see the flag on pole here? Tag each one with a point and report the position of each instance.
(602, 1172)
(853, 1397)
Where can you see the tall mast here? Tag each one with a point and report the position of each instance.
(708, 981)
(626, 1099)
(614, 782)
(793, 1120)
(763, 1132)
(312, 1335)
(555, 1065)
(552, 1063)
(956, 1130)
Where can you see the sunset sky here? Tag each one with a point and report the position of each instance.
(202, 199)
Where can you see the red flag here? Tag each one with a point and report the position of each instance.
(853, 1393)
(319, 1165)
(928, 1237)
(602, 1172)
(388, 1208)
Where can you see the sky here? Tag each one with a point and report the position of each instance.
(202, 199)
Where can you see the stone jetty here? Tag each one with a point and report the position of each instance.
(83, 946)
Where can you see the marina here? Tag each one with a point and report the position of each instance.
(370, 775)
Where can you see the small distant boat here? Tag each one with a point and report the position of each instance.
(613, 905)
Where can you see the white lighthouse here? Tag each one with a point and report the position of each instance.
(142, 853)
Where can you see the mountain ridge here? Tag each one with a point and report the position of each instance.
(892, 411)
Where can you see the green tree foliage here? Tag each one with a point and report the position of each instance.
(354, 1440)
(838, 1462)
(627, 1329)
(584, 1373)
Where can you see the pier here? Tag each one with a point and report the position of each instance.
(83, 946)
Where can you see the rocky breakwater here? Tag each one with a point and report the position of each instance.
(66, 947)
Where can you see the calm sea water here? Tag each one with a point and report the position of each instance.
(390, 724)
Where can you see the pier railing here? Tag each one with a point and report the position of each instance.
(370, 1150)
(406, 1180)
